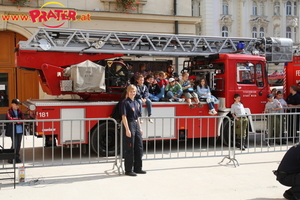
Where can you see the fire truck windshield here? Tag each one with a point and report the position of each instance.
(249, 73)
(245, 73)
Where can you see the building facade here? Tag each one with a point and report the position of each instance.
(227, 18)
(250, 18)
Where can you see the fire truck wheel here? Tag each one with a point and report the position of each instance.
(225, 131)
(103, 141)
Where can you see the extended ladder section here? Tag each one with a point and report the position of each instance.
(148, 44)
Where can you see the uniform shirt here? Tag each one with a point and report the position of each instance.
(130, 109)
(174, 89)
(293, 99)
(238, 109)
(290, 162)
(274, 104)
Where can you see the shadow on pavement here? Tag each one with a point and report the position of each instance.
(267, 199)
(68, 179)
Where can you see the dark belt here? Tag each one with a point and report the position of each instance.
(276, 172)
(133, 120)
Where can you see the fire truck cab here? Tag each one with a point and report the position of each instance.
(235, 73)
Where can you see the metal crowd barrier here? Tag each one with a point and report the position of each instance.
(79, 139)
(163, 139)
(270, 132)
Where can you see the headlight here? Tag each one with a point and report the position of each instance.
(32, 107)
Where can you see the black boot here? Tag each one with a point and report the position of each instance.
(244, 144)
(239, 145)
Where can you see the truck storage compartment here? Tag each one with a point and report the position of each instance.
(87, 77)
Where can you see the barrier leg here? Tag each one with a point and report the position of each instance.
(231, 153)
(119, 159)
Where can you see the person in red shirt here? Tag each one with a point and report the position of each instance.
(162, 82)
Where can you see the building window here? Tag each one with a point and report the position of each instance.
(261, 32)
(288, 32)
(295, 8)
(195, 8)
(262, 8)
(288, 8)
(295, 34)
(225, 7)
(254, 32)
(276, 8)
(254, 8)
(224, 31)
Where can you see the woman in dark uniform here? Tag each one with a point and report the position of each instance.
(133, 144)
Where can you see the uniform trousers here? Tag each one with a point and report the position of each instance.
(133, 148)
(274, 126)
(290, 180)
(241, 127)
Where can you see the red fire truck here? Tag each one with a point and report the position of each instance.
(291, 74)
(67, 63)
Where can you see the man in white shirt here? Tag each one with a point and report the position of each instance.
(241, 122)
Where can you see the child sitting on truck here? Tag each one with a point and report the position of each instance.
(154, 89)
(174, 91)
(188, 91)
(203, 91)
(162, 82)
(142, 96)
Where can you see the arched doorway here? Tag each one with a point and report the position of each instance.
(14, 83)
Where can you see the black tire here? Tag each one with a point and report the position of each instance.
(225, 130)
(98, 139)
